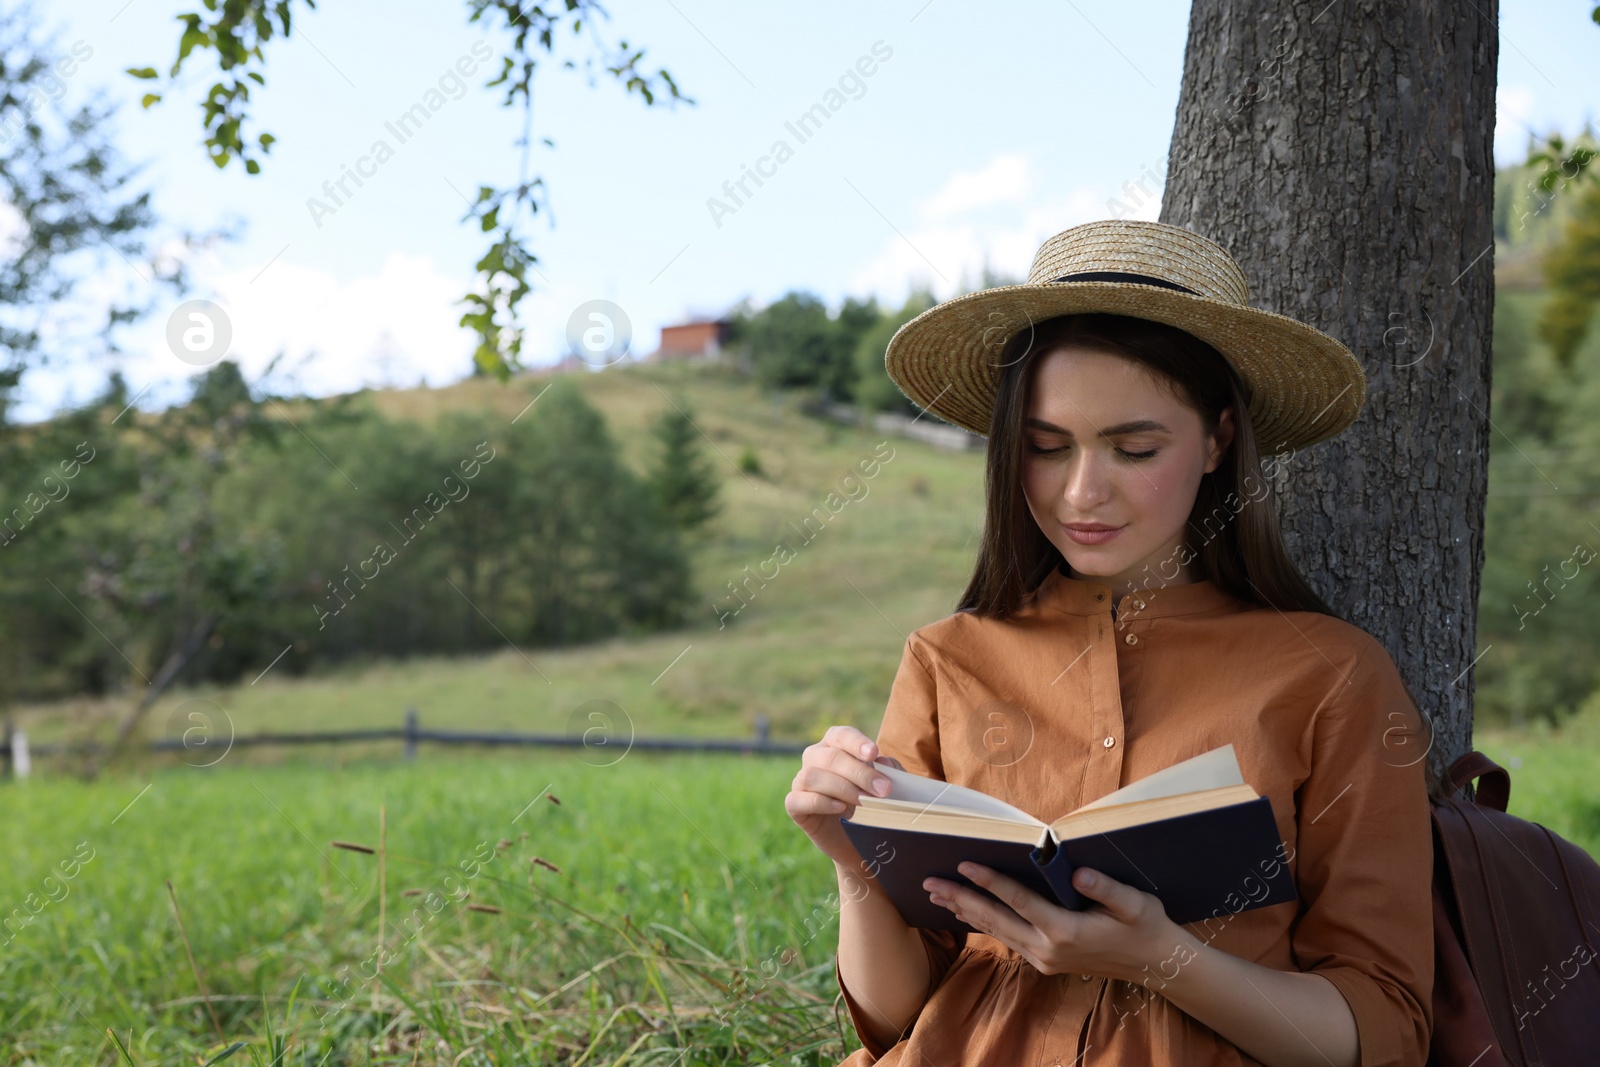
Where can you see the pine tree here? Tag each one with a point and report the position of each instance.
(682, 479)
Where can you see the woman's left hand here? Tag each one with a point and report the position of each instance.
(1122, 938)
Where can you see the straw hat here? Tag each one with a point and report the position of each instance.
(1301, 385)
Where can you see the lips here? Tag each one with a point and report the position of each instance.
(1090, 533)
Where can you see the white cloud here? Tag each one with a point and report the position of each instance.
(947, 253)
(1007, 179)
(397, 327)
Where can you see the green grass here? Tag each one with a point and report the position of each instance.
(629, 913)
(1553, 773)
(673, 876)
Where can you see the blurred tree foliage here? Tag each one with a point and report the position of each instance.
(1538, 627)
(794, 342)
(874, 389)
(1572, 271)
(75, 263)
(1533, 202)
(213, 537)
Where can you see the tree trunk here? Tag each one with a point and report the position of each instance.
(1342, 153)
(181, 657)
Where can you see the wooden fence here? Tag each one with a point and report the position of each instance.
(16, 753)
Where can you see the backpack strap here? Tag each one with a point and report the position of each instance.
(1494, 789)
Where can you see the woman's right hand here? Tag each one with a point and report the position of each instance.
(834, 773)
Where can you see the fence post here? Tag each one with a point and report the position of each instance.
(411, 733)
(761, 729)
(20, 762)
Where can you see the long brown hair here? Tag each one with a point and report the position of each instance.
(1240, 546)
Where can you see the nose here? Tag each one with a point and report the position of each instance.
(1087, 483)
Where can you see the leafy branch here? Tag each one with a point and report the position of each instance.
(237, 32)
(1561, 164)
(77, 211)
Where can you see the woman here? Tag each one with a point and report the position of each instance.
(1132, 605)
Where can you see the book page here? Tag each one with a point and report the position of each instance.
(1210, 770)
(1118, 816)
(906, 815)
(930, 791)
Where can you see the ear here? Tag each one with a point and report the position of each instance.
(1226, 428)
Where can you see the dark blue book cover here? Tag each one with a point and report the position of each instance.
(1201, 865)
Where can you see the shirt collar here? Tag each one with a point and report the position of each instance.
(1080, 596)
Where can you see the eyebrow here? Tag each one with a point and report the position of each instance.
(1135, 426)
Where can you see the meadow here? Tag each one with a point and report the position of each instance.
(521, 909)
(579, 907)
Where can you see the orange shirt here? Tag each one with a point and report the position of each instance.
(1061, 703)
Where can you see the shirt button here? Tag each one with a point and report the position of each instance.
(1132, 639)
(1099, 596)
(1108, 742)
(1088, 978)
(1139, 604)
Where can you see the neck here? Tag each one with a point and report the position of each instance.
(1123, 584)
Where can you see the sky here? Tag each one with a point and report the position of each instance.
(966, 136)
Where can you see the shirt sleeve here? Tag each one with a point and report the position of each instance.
(1365, 861)
(910, 733)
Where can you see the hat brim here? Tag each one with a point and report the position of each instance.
(1301, 385)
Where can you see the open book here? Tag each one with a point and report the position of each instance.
(1194, 834)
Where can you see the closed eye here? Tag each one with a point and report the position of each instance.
(1134, 456)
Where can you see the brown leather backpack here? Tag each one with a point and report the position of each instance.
(1516, 922)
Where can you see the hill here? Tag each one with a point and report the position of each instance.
(818, 643)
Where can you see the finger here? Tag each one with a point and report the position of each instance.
(1027, 904)
(803, 802)
(983, 912)
(845, 787)
(851, 740)
(864, 775)
(1123, 901)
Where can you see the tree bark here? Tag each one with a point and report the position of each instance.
(1342, 153)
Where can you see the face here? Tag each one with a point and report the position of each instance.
(1135, 485)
